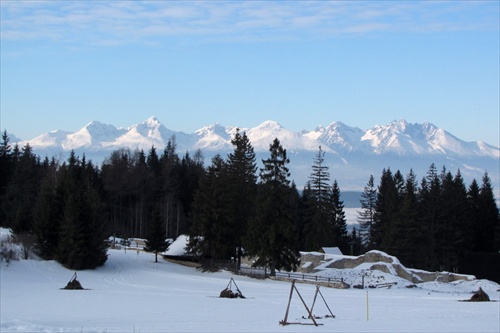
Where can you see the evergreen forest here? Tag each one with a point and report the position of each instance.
(238, 206)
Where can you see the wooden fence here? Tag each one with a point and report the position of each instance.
(264, 273)
(261, 273)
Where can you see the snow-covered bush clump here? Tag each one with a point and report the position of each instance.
(9, 250)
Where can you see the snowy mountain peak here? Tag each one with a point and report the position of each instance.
(381, 145)
(153, 122)
(215, 128)
(400, 124)
(337, 136)
(102, 132)
(269, 126)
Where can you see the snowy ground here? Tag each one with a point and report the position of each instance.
(131, 293)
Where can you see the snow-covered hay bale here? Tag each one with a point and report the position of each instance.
(480, 296)
(74, 285)
(228, 293)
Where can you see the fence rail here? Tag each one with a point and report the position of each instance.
(307, 277)
(262, 272)
(256, 272)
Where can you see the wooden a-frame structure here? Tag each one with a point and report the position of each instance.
(309, 311)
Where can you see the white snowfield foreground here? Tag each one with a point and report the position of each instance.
(131, 293)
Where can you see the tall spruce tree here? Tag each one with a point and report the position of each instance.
(116, 177)
(474, 214)
(410, 236)
(5, 165)
(488, 217)
(366, 216)
(211, 230)
(431, 215)
(82, 238)
(394, 221)
(385, 212)
(318, 225)
(355, 242)
(339, 219)
(47, 214)
(155, 241)
(242, 182)
(21, 191)
(272, 236)
(170, 162)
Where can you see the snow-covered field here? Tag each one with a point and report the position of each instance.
(131, 293)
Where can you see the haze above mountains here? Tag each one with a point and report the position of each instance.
(351, 153)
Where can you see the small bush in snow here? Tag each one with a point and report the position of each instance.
(8, 249)
(15, 247)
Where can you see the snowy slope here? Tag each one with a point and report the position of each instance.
(132, 293)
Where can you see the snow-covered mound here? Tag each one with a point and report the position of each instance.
(378, 269)
(178, 247)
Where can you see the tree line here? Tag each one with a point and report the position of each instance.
(233, 207)
(434, 225)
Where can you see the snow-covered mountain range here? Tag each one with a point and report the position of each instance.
(353, 154)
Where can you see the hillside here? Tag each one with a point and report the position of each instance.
(131, 293)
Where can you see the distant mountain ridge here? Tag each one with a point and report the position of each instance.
(355, 149)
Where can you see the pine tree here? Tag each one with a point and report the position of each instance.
(385, 213)
(474, 215)
(488, 217)
(242, 189)
(21, 191)
(410, 238)
(338, 219)
(5, 163)
(272, 234)
(394, 220)
(82, 238)
(211, 229)
(144, 188)
(116, 178)
(318, 224)
(366, 217)
(431, 215)
(171, 182)
(94, 218)
(47, 213)
(355, 243)
(155, 241)
(319, 180)
(189, 172)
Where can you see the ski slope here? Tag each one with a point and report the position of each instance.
(131, 293)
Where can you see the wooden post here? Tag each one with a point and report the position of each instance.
(305, 305)
(285, 321)
(325, 302)
(314, 300)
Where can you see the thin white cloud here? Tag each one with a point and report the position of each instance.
(93, 22)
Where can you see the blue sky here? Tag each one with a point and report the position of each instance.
(301, 63)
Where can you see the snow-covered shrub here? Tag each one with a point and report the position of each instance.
(8, 249)
(14, 247)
